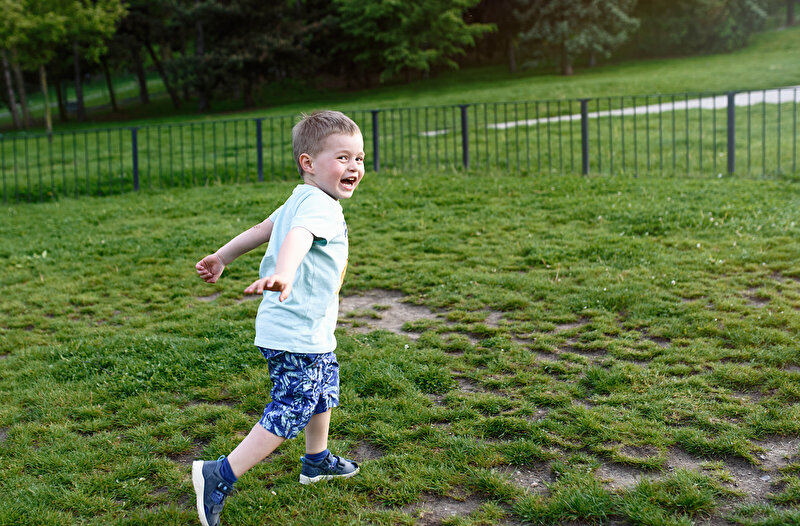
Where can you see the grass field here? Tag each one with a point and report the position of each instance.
(598, 350)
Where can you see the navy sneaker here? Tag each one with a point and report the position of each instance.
(326, 469)
(211, 490)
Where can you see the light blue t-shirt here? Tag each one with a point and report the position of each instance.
(304, 322)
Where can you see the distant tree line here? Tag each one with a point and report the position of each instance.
(206, 50)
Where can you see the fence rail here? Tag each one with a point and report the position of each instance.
(751, 132)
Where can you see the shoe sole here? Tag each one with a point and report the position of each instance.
(319, 478)
(199, 483)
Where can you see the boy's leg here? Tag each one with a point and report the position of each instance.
(317, 433)
(256, 446)
(319, 463)
(211, 479)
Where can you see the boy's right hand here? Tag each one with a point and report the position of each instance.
(210, 268)
(275, 282)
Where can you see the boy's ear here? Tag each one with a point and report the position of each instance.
(306, 163)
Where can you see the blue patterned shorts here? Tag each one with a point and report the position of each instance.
(303, 385)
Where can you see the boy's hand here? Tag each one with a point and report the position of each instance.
(275, 282)
(210, 268)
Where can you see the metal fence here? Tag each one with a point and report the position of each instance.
(752, 132)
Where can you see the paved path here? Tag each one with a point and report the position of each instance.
(719, 102)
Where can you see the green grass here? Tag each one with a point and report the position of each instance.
(641, 318)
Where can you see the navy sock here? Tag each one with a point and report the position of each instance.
(316, 457)
(226, 471)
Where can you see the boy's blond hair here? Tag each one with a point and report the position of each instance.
(308, 135)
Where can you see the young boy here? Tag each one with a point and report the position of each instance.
(300, 277)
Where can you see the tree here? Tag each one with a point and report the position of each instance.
(145, 23)
(504, 41)
(90, 24)
(686, 27)
(232, 51)
(12, 15)
(790, 4)
(397, 36)
(563, 30)
(41, 31)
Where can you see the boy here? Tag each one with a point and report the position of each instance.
(300, 276)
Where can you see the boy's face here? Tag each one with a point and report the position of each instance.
(338, 167)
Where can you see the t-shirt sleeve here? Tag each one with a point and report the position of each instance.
(319, 215)
(274, 214)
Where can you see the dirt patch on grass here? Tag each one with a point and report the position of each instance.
(186, 458)
(365, 451)
(619, 476)
(211, 297)
(571, 325)
(778, 452)
(530, 478)
(468, 386)
(754, 482)
(381, 309)
(755, 298)
(249, 297)
(434, 509)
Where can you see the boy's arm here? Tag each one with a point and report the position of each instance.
(210, 267)
(294, 248)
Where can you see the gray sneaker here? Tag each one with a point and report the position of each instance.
(211, 490)
(326, 469)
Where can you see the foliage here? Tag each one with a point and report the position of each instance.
(397, 36)
(244, 43)
(92, 23)
(563, 30)
(688, 27)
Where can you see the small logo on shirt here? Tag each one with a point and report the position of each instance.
(344, 224)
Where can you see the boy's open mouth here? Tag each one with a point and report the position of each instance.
(349, 182)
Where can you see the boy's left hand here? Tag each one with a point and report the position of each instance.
(276, 283)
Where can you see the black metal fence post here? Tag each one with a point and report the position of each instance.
(464, 135)
(731, 132)
(260, 150)
(135, 153)
(376, 164)
(585, 136)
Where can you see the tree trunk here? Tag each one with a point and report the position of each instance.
(48, 118)
(247, 93)
(176, 102)
(592, 59)
(109, 83)
(12, 100)
(141, 76)
(62, 108)
(76, 59)
(566, 63)
(790, 12)
(23, 97)
(512, 57)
